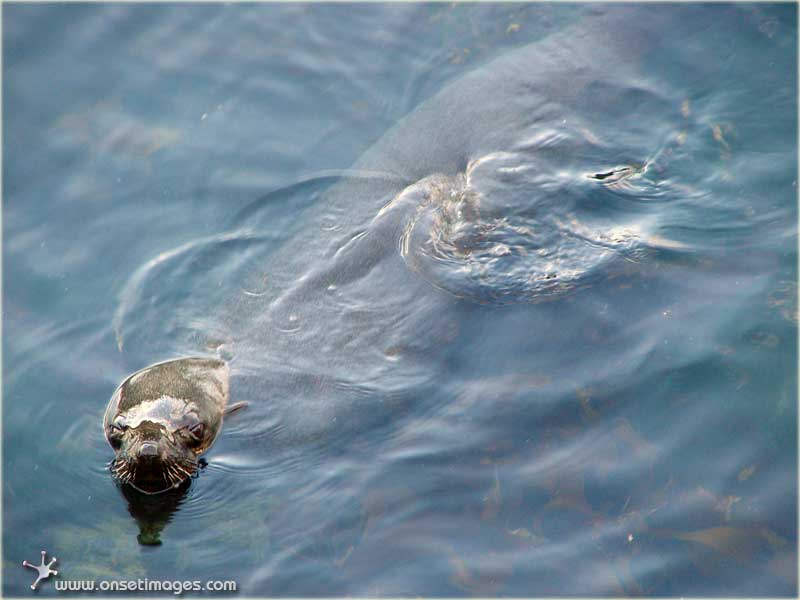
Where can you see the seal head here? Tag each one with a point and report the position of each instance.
(162, 418)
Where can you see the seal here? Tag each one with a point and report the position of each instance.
(479, 196)
(162, 418)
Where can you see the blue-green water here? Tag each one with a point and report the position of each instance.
(476, 363)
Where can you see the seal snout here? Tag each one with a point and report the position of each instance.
(148, 450)
(149, 437)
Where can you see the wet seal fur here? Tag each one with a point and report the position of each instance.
(162, 418)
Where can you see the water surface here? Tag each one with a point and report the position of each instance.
(535, 340)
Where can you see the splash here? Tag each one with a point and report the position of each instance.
(513, 228)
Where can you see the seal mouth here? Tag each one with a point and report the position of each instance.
(151, 475)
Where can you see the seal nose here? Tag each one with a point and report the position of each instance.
(148, 449)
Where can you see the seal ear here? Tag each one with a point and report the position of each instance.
(234, 408)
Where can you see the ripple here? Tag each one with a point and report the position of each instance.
(172, 292)
(514, 228)
(304, 191)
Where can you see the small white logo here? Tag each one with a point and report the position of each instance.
(44, 570)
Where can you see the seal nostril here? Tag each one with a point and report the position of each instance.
(148, 449)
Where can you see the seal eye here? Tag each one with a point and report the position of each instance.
(115, 431)
(198, 430)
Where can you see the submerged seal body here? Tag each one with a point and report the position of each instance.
(501, 189)
(162, 418)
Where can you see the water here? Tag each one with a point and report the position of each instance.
(539, 340)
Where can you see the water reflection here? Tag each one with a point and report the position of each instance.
(153, 513)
